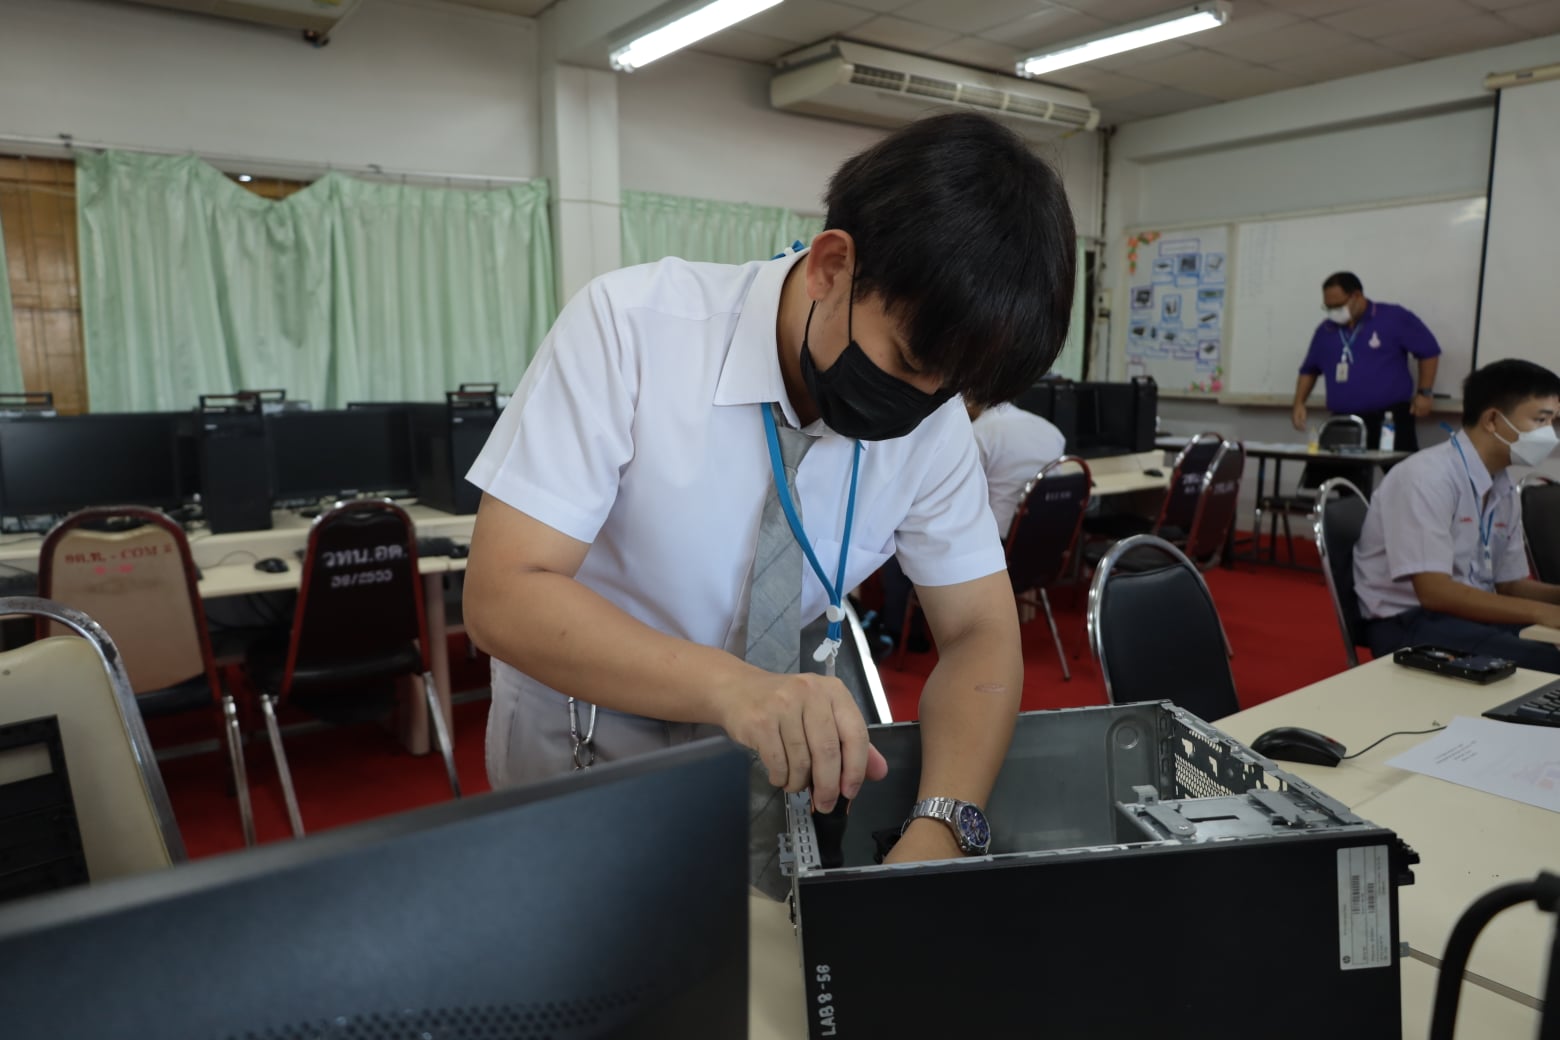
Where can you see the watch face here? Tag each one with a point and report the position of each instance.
(973, 825)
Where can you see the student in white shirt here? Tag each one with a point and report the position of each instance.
(1015, 445)
(1441, 558)
(626, 479)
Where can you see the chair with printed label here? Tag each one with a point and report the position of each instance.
(1044, 535)
(358, 628)
(1540, 499)
(129, 568)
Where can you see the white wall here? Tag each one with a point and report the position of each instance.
(1415, 131)
(408, 84)
(699, 125)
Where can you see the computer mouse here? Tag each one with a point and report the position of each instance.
(459, 551)
(1293, 744)
(271, 565)
(1153, 472)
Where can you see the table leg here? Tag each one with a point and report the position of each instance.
(1256, 511)
(1278, 483)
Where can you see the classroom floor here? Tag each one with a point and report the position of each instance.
(1280, 623)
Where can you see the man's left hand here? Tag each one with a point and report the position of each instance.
(924, 839)
(1419, 407)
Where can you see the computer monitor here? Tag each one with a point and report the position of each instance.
(318, 454)
(55, 465)
(610, 902)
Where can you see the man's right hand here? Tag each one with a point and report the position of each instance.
(1298, 416)
(808, 732)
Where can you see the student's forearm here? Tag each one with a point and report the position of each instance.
(1445, 596)
(968, 709)
(1303, 387)
(1427, 370)
(565, 635)
(1527, 588)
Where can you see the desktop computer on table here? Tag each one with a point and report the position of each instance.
(607, 903)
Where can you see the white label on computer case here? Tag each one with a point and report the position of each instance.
(1364, 908)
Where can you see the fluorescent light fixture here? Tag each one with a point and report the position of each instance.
(244, 178)
(693, 25)
(1129, 37)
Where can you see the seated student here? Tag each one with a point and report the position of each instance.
(1441, 558)
(1014, 446)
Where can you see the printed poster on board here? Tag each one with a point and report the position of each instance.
(1176, 291)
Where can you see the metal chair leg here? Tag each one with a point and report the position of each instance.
(904, 632)
(274, 732)
(1289, 538)
(1061, 652)
(235, 746)
(441, 733)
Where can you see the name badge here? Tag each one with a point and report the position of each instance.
(1341, 373)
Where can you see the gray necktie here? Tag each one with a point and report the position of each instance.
(774, 643)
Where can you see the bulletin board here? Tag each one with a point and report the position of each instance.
(1177, 286)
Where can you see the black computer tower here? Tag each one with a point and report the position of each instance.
(235, 467)
(446, 439)
(1127, 412)
(1055, 400)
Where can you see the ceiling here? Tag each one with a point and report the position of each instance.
(1267, 45)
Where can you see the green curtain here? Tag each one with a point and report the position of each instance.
(10, 365)
(347, 290)
(1069, 362)
(656, 226)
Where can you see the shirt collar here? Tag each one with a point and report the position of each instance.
(751, 373)
(1477, 473)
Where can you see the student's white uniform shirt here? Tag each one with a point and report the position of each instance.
(1015, 446)
(1425, 519)
(638, 428)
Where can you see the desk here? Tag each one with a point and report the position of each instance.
(1280, 452)
(1470, 841)
(1124, 474)
(227, 569)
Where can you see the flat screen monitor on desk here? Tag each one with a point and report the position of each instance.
(611, 902)
(51, 466)
(318, 454)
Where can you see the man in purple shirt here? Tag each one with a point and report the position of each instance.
(1362, 349)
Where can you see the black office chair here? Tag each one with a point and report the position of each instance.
(1045, 533)
(1338, 518)
(1156, 632)
(1214, 514)
(1341, 433)
(1541, 526)
(358, 626)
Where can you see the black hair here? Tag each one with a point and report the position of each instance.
(1348, 281)
(1503, 385)
(966, 237)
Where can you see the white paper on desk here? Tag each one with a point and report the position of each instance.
(1514, 761)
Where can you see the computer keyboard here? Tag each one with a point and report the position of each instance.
(1540, 707)
(18, 583)
(440, 547)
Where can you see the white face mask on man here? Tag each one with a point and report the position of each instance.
(1531, 447)
(1339, 315)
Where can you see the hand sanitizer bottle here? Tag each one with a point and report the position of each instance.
(1388, 433)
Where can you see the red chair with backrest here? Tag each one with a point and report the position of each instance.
(130, 569)
(358, 626)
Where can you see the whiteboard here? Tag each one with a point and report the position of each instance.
(1521, 304)
(1425, 256)
(1176, 286)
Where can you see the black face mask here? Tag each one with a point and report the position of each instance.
(857, 399)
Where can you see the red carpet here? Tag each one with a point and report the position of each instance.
(1280, 623)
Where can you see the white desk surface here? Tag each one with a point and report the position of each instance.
(1469, 841)
(1123, 474)
(241, 579)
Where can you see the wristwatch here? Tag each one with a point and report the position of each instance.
(967, 822)
(1422, 392)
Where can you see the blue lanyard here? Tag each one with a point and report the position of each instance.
(836, 591)
(1486, 529)
(1348, 342)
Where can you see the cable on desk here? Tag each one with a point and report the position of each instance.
(235, 552)
(1389, 736)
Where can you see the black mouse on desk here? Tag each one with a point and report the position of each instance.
(271, 565)
(1153, 472)
(1293, 744)
(459, 551)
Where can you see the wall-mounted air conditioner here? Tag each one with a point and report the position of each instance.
(859, 83)
(314, 17)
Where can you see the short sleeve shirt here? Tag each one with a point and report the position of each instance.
(1427, 517)
(638, 428)
(1015, 446)
(1377, 348)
